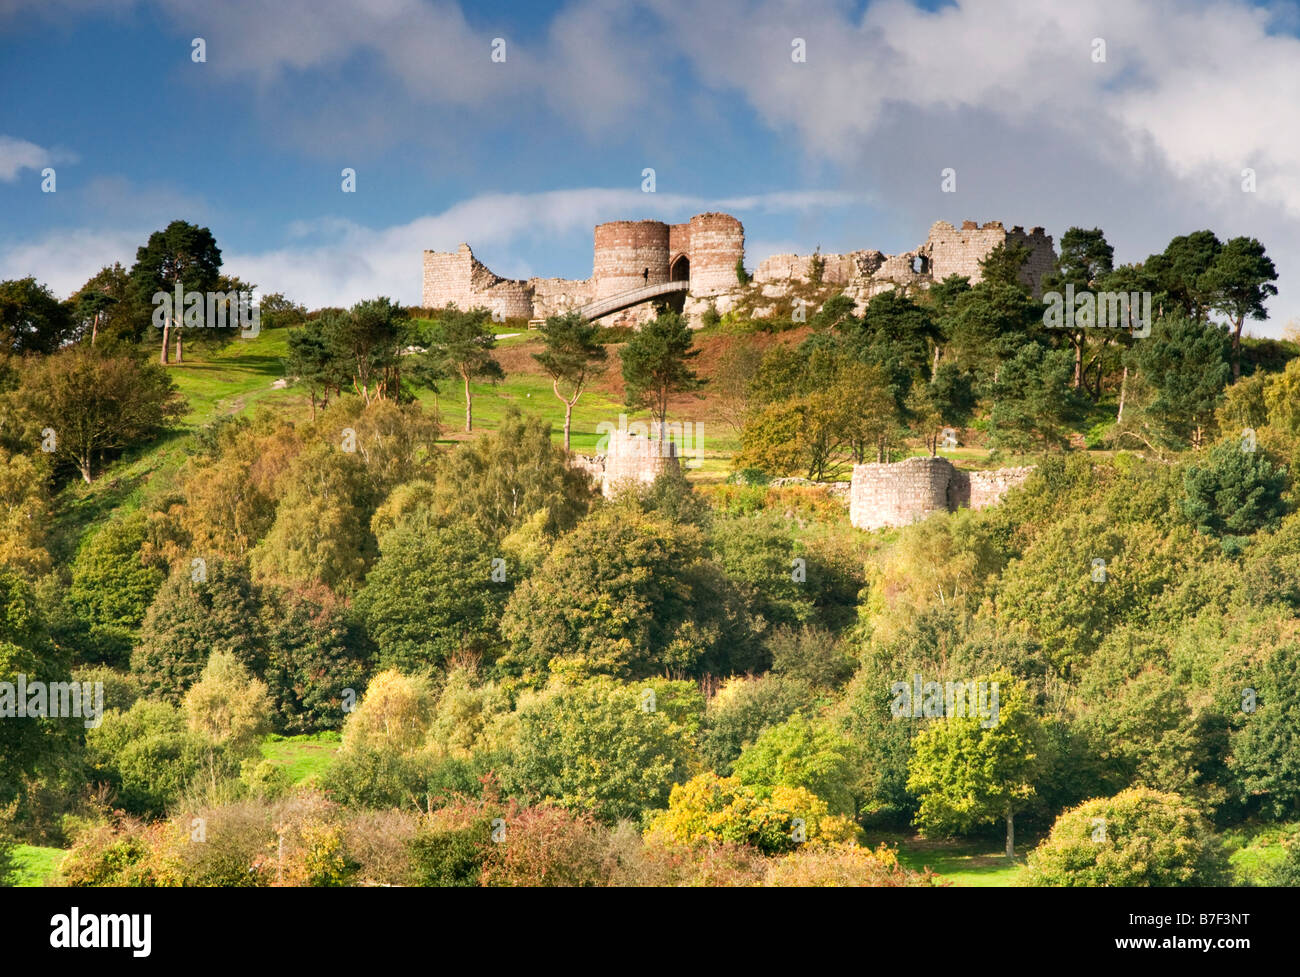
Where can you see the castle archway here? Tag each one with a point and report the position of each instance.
(680, 269)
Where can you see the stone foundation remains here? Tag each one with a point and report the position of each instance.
(883, 495)
(630, 461)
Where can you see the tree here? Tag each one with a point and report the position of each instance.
(731, 382)
(1004, 264)
(321, 530)
(1186, 363)
(461, 344)
(96, 406)
(227, 706)
(742, 708)
(1238, 282)
(367, 341)
(572, 357)
(948, 400)
(1032, 401)
(316, 651)
(1139, 837)
(105, 306)
(656, 365)
(1235, 493)
(32, 320)
(627, 595)
(149, 756)
(180, 254)
(394, 713)
(504, 479)
(800, 753)
(313, 363)
(969, 772)
(595, 748)
(24, 513)
(33, 746)
(1180, 274)
(712, 809)
(431, 597)
(189, 619)
(112, 585)
(1085, 259)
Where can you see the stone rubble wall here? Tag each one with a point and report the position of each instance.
(631, 461)
(884, 495)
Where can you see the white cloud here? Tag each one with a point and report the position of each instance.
(332, 261)
(17, 155)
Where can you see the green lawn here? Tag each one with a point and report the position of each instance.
(961, 862)
(1257, 849)
(34, 866)
(304, 757)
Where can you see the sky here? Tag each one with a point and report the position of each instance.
(521, 155)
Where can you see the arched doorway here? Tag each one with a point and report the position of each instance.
(680, 269)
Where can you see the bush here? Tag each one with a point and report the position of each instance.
(742, 709)
(1234, 493)
(1139, 837)
(711, 809)
(548, 846)
(451, 857)
(149, 757)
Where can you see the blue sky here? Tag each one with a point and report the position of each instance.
(844, 150)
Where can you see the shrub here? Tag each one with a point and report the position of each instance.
(149, 756)
(451, 857)
(548, 846)
(1139, 837)
(711, 809)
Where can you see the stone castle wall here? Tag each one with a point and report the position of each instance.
(950, 250)
(717, 243)
(627, 255)
(896, 495)
(883, 495)
(630, 461)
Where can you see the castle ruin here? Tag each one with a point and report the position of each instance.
(693, 265)
(884, 495)
(630, 461)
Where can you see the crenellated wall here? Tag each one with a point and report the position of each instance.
(628, 255)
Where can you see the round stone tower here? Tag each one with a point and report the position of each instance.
(717, 242)
(628, 255)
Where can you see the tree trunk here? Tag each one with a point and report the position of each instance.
(935, 368)
(94, 329)
(166, 335)
(1076, 340)
(469, 407)
(1123, 385)
(568, 418)
(1236, 349)
(1011, 834)
(180, 354)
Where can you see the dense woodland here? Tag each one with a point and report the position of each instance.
(514, 681)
